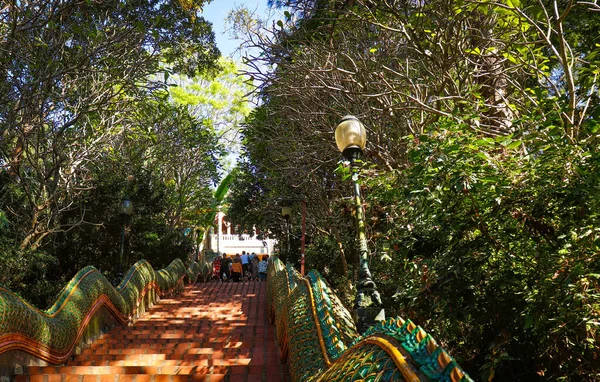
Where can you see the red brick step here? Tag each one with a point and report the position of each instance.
(211, 332)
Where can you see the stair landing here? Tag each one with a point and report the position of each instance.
(211, 332)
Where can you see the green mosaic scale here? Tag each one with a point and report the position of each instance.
(53, 335)
(319, 340)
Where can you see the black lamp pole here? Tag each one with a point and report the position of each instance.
(125, 210)
(198, 242)
(286, 212)
(351, 139)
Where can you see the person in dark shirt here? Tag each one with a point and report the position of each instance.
(225, 275)
(254, 266)
(262, 269)
(217, 267)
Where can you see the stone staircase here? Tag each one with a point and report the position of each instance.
(211, 332)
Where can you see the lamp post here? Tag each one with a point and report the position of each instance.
(199, 241)
(303, 237)
(220, 225)
(351, 139)
(286, 212)
(125, 210)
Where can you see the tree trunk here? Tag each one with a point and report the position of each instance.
(338, 239)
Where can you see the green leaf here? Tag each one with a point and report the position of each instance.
(528, 322)
(490, 179)
(484, 142)
(514, 145)
(503, 139)
(475, 51)
(3, 220)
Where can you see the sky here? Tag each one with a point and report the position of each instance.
(216, 12)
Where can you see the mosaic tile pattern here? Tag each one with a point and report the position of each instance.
(319, 338)
(52, 335)
(281, 279)
(336, 323)
(275, 282)
(303, 360)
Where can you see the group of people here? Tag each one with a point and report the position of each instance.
(247, 267)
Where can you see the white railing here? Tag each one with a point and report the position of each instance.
(238, 243)
(236, 237)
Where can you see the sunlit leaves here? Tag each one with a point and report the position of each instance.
(219, 101)
(476, 162)
(83, 90)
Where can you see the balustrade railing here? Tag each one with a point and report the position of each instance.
(315, 332)
(318, 337)
(87, 306)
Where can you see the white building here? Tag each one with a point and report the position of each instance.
(224, 238)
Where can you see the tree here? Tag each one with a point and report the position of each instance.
(71, 72)
(217, 100)
(184, 154)
(85, 107)
(482, 125)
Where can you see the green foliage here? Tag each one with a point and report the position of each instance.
(208, 214)
(219, 101)
(32, 274)
(86, 120)
(148, 234)
(495, 251)
(323, 256)
(244, 205)
(480, 172)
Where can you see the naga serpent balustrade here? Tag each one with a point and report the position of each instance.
(318, 337)
(85, 307)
